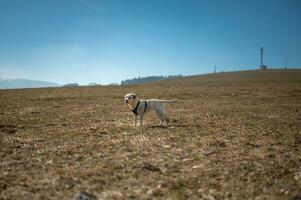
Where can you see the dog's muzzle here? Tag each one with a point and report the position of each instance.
(126, 101)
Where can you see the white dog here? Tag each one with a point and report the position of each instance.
(140, 107)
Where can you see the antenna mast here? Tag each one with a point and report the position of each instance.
(262, 66)
(261, 56)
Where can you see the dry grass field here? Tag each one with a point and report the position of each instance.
(232, 136)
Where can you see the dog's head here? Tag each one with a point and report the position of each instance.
(130, 98)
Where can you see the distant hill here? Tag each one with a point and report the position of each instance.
(268, 76)
(24, 83)
(147, 79)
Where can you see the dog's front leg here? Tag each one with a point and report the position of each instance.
(135, 120)
(141, 120)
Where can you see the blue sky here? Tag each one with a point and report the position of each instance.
(106, 41)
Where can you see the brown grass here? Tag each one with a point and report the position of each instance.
(233, 136)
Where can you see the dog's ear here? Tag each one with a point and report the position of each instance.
(134, 96)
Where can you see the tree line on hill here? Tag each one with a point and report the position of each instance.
(147, 79)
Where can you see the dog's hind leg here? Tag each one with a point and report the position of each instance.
(165, 118)
(160, 117)
(162, 113)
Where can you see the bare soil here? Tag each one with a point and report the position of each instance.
(232, 136)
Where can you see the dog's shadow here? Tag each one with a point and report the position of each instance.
(157, 126)
(173, 124)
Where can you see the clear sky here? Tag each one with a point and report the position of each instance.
(106, 41)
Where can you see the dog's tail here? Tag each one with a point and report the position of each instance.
(170, 101)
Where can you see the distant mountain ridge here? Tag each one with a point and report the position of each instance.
(25, 83)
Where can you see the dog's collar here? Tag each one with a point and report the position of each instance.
(136, 107)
